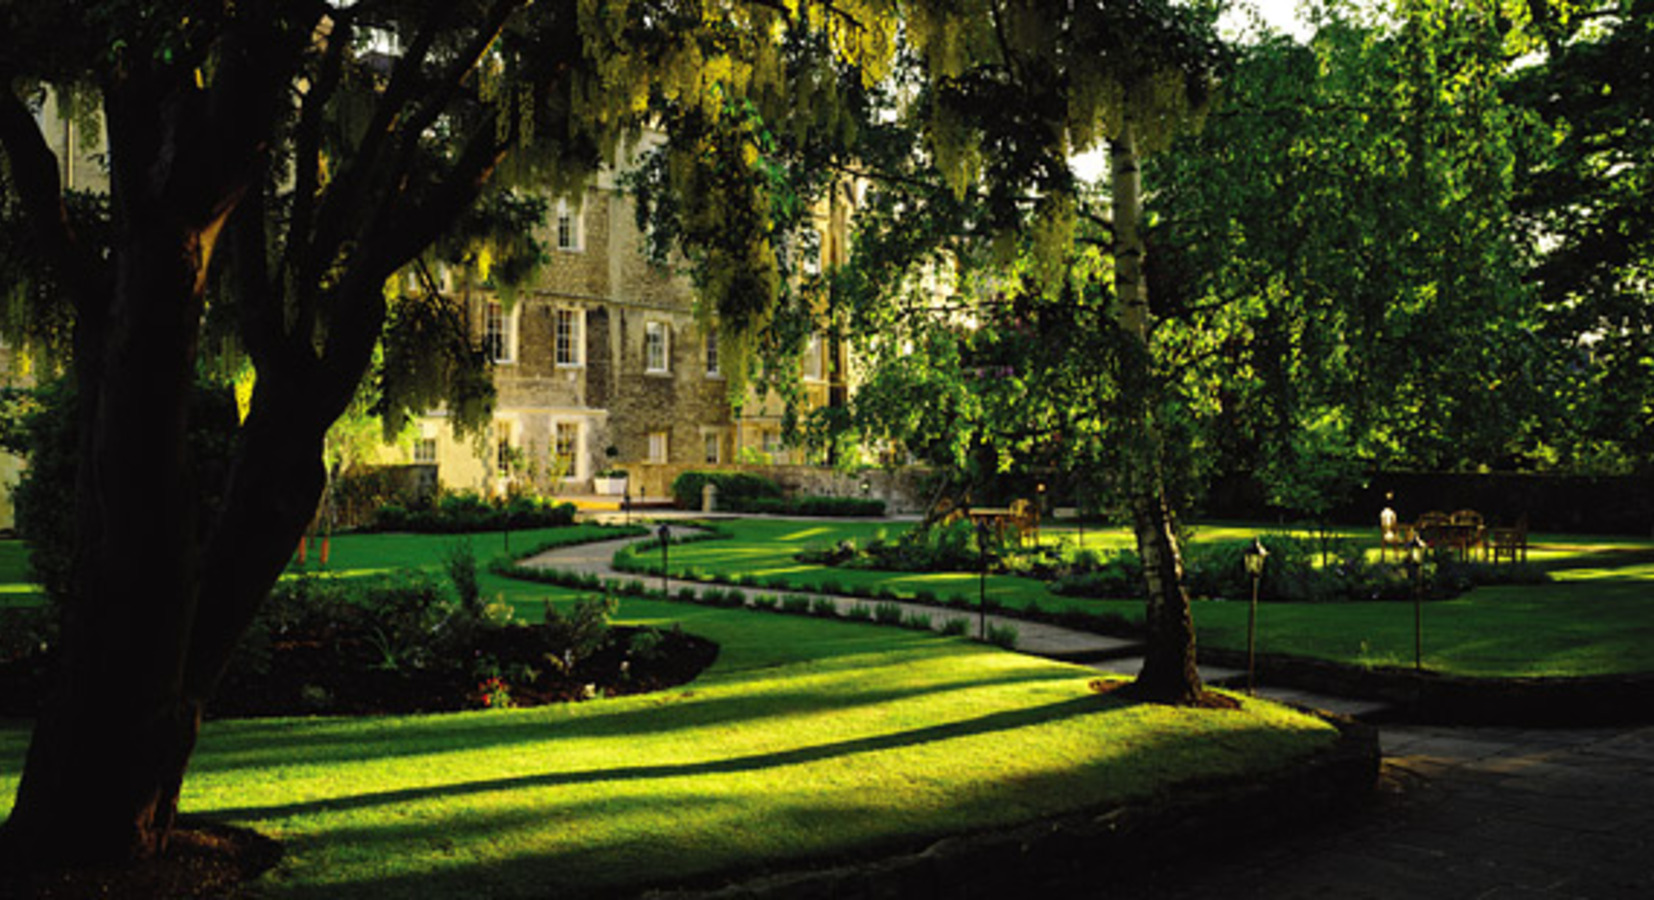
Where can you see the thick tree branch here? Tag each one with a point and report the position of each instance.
(35, 178)
(307, 138)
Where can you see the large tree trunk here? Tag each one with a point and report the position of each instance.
(159, 596)
(103, 768)
(1169, 673)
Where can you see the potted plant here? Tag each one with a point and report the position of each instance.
(611, 480)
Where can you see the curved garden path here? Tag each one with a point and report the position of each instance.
(1460, 813)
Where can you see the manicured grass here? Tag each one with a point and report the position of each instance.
(764, 549)
(1597, 617)
(808, 738)
(15, 586)
(367, 554)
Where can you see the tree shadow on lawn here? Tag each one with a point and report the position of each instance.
(261, 743)
(718, 839)
(1008, 720)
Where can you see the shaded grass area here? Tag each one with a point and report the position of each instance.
(807, 739)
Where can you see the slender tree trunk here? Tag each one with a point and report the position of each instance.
(1169, 673)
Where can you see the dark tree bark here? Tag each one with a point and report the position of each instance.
(164, 590)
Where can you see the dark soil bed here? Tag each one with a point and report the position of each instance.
(338, 675)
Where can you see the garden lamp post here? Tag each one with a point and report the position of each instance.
(665, 534)
(626, 505)
(1039, 510)
(1253, 558)
(1415, 562)
(982, 583)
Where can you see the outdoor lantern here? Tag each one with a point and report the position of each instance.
(1415, 561)
(1254, 557)
(665, 533)
(1415, 550)
(866, 486)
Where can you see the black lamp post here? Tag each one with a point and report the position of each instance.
(1415, 562)
(626, 505)
(982, 583)
(1253, 558)
(665, 534)
(1039, 510)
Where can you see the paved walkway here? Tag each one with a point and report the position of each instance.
(1460, 813)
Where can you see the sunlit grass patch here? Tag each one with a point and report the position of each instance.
(850, 753)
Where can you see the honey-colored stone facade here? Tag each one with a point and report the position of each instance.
(640, 390)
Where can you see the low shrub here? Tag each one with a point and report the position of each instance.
(579, 633)
(887, 614)
(797, 604)
(458, 512)
(1004, 636)
(734, 489)
(916, 621)
(767, 603)
(956, 626)
(836, 507)
(824, 607)
(859, 612)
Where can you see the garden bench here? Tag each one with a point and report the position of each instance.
(1509, 543)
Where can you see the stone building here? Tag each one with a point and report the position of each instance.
(600, 365)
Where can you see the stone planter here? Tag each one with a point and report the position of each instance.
(615, 486)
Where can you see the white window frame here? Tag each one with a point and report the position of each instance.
(660, 446)
(501, 347)
(505, 439)
(569, 228)
(573, 454)
(713, 441)
(815, 363)
(713, 361)
(425, 451)
(576, 357)
(657, 334)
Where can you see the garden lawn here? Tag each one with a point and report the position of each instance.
(762, 552)
(369, 554)
(1595, 618)
(807, 739)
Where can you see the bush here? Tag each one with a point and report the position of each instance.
(838, 507)
(1004, 636)
(408, 619)
(457, 512)
(1121, 577)
(797, 604)
(916, 621)
(734, 489)
(581, 632)
(645, 644)
(956, 627)
(461, 564)
(887, 614)
(824, 607)
(860, 612)
(766, 603)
